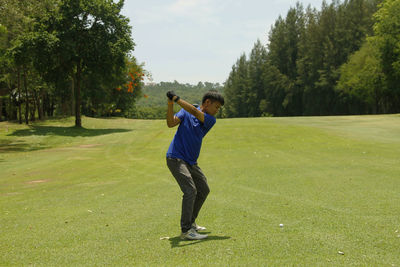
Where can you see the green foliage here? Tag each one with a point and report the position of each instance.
(257, 62)
(78, 51)
(94, 40)
(154, 105)
(387, 38)
(369, 81)
(276, 84)
(301, 67)
(237, 89)
(284, 38)
(362, 81)
(101, 100)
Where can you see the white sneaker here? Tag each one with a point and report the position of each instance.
(192, 235)
(198, 227)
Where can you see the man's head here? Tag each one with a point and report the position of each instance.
(212, 101)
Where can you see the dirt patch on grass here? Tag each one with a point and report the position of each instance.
(80, 158)
(89, 146)
(38, 181)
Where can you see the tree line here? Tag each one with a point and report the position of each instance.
(154, 104)
(342, 59)
(66, 57)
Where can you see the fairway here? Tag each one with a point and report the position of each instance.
(103, 195)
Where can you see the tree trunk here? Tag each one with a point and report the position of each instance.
(33, 109)
(52, 107)
(72, 97)
(11, 109)
(26, 97)
(19, 95)
(40, 104)
(1, 109)
(37, 102)
(376, 102)
(78, 122)
(48, 105)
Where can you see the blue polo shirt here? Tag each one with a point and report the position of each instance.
(186, 144)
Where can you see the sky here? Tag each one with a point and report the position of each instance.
(200, 40)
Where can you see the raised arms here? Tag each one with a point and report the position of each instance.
(173, 120)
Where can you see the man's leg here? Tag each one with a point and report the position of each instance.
(203, 190)
(180, 170)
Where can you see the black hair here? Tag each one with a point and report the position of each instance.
(213, 95)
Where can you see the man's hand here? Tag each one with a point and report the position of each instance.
(171, 119)
(170, 95)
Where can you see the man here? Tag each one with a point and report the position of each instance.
(194, 123)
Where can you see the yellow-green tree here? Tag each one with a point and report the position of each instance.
(387, 38)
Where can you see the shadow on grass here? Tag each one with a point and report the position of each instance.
(19, 146)
(24, 146)
(65, 131)
(178, 242)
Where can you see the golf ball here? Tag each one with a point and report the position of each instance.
(281, 225)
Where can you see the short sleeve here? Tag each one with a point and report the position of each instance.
(180, 114)
(209, 121)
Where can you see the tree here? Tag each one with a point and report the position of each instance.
(302, 65)
(362, 82)
(3, 60)
(121, 100)
(275, 86)
(257, 60)
(15, 22)
(284, 37)
(93, 40)
(331, 35)
(309, 60)
(387, 38)
(237, 89)
(17, 67)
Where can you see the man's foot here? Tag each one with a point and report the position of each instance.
(198, 227)
(192, 235)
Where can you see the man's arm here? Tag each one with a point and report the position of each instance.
(172, 97)
(190, 108)
(172, 120)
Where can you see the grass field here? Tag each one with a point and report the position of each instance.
(103, 196)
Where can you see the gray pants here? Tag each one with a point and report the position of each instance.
(195, 189)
